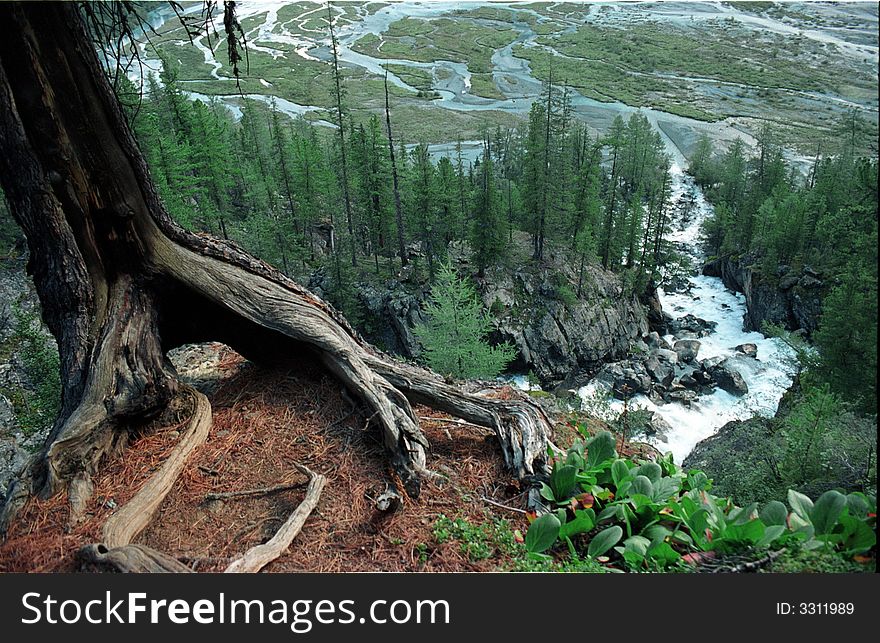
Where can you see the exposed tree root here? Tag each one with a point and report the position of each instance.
(122, 527)
(258, 557)
(130, 559)
(521, 425)
(117, 553)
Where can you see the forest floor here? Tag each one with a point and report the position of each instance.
(263, 421)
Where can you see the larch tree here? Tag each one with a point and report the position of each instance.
(121, 284)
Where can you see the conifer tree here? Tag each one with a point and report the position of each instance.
(455, 336)
(488, 236)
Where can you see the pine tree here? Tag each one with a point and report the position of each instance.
(454, 337)
(616, 140)
(398, 210)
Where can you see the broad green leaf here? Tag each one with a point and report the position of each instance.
(637, 544)
(682, 537)
(667, 463)
(562, 480)
(861, 539)
(771, 533)
(698, 480)
(640, 501)
(773, 513)
(750, 532)
(827, 510)
(742, 516)
(542, 533)
(619, 472)
(600, 449)
(801, 527)
(651, 471)
(655, 532)
(664, 488)
(547, 492)
(582, 522)
(661, 552)
(801, 505)
(610, 511)
(574, 459)
(604, 540)
(641, 485)
(634, 559)
(857, 505)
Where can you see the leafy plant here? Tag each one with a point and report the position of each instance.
(653, 515)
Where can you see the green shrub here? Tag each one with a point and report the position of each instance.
(478, 541)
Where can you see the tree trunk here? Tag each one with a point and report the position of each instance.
(120, 283)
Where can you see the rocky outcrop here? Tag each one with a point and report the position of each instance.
(558, 336)
(389, 311)
(676, 375)
(749, 350)
(686, 349)
(736, 459)
(790, 297)
(392, 314)
(691, 326)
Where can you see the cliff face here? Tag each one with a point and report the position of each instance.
(792, 298)
(558, 335)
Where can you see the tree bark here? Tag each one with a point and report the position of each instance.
(120, 283)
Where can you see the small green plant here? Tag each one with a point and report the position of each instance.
(422, 550)
(566, 295)
(478, 541)
(533, 380)
(653, 515)
(497, 308)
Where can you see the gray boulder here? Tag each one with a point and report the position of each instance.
(659, 371)
(686, 349)
(749, 350)
(729, 379)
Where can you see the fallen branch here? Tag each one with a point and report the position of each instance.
(254, 559)
(122, 527)
(499, 505)
(244, 493)
(458, 422)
